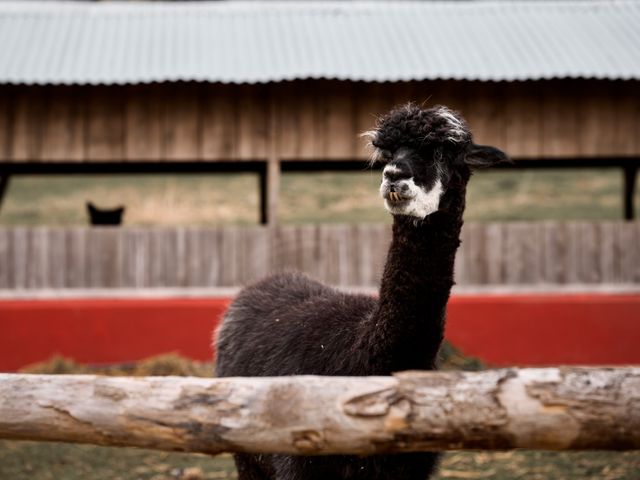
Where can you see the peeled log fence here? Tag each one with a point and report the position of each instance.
(553, 408)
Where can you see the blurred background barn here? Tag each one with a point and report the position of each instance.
(98, 96)
(229, 132)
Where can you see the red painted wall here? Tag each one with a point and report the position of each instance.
(106, 331)
(502, 330)
(547, 329)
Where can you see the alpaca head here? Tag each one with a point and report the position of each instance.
(428, 155)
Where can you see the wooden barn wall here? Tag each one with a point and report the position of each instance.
(519, 253)
(149, 123)
(305, 120)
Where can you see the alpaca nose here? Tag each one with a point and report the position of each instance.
(397, 172)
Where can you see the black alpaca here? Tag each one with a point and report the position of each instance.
(100, 216)
(289, 324)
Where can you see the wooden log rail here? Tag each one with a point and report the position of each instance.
(551, 408)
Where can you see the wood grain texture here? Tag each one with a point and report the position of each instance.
(519, 253)
(297, 122)
(524, 116)
(317, 119)
(63, 135)
(105, 124)
(486, 113)
(552, 408)
(219, 110)
(6, 124)
(180, 114)
(27, 124)
(253, 120)
(143, 123)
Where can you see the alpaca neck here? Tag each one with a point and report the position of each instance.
(408, 326)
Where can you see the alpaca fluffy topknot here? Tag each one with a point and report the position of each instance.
(417, 128)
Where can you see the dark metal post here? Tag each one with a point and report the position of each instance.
(262, 186)
(630, 176)
(4, 185)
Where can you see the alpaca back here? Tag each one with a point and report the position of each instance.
(289, 324)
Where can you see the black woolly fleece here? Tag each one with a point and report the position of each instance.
(289, 324)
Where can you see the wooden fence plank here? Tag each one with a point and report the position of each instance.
(20, 257)
(590, 268)
(194, 258)
(101, 267)
(364, 274)
(229, 256)
(37, 265)
(494, 251)
(76, 258)
(629, 251)
(606, 252)
(56, 258)
(477, 266)
(136, 258)
(309, 260)
(516, 253)
(211, 264)
(555, 252)
(5, 256)
(258, 247)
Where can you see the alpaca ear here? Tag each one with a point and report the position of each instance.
(484, 156)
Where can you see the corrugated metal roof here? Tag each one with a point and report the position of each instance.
(248, 42)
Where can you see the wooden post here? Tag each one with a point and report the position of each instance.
(544, 408)
(272, 191)
(4, 185)
(262, 192)
(271, 185)
(630, 176)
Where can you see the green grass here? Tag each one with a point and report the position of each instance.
(150, 199)
(58, 461)
(226, 199)
(48, 460)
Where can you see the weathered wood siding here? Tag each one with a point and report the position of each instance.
(351, 255)
(141, 123)
(306, 120)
